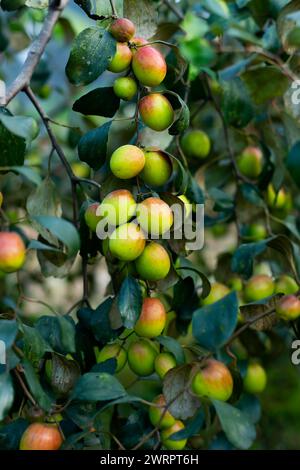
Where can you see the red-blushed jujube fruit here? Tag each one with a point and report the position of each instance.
(214, 380)
(127, 242)
(118, 207)
(285, 284)
(154, 263)
(122, 29)
(41, 436)
(149, 66)
(259, 287)
(288, 308)
(157, 415)
(141, 357)
(152, 319)
(255, 380)
(12, 252)
(137, 41)
(158, 167)
(171, 444)
(92, 216)
(121, 60)
(250, 162)
(164, 362)
(112, 351)
(196, 144)
(277, 199)
(125, 88)
(154, 216)
(217, 292)
(156, 111)
(127, 161)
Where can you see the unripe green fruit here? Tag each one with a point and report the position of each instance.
(125, 88)
(196, 144)
(235, 283)
(152, 319)
(169, 443)
(156, 413)
(127, 161)
(118, 207)
(141, 357)
(149, 66)
(217, 292)
(154, 216)
(250, 162)
(41, 436)
(256, 232)
(213, 381)
(127, 242)
(12, 252)
(157, 169)
(154, 263)
(288, 308)
(90, 216)
(156, 111)
(259, 287)
(276, 200)
(44, 91)
(255, 380)
(163, 363)
(121, 60)
(112, 351)
(122, 29)
(81, 169)
(286, 285)
(188, 207)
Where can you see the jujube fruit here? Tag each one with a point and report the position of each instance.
(157, 415)
(154, 263)
(12, 252)
(171, 444)
(164, 362)
(157, 169)
(156, 111)
(255, 232)
(41, 436)
(152, 319)
(250, 162)
(127, 161)
(92, 216)
(121, 60)
(127, 242)
(112, 351)
(122, 29)
(217, 292)
(286, 285)
(149, 66)
(255, 380)
(196, 144)
(125, 88)
(141, 356)
(214, 380)
(118, 207)
(288, 308)
(259, 287)
(278, 200)
(154, 216)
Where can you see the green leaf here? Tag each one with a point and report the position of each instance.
(182, 405)
(236, 103)
(12, 146)
(28, 173)
(172, 345)
(10, 434)
(250, 406)
(58, 332)
(21, 126)
(144, 14)
(90, 55)
(288, 24)
(98, 321)
(6, 395)
(8, 332)
(194, 26)
(63, 375)
(191, 428)
(292, 163)
(95, 386)
(217, 7)
(213, 324)
(92, 147)
(265, 83)
(99, 102)
(100, 8)
(34, 345)
(182, 113)
(63, 230)
(130, 301)
(239, 430)
(35, 387)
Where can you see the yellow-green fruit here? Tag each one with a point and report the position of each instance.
(163, 363)
(250, 162)
(141, 357)
(118, 207)
(152, 319)
(255, 380)
(154, 263)
(286, 285)
(288, 308)
(125, 88)
(171, 444)
(196, 144)
(157, 415)
(127, 161)
(217, 292)
(44, 91)
(149, 66)
(259, 287)
(256, 232)
(154, 216)
(112, 351)
(157, 169)
(156, 111)
(213, 381)
(121, 60)
(81, 169)
(92, 216)
(127, 242)
(235, 283)
(41, 436)
(276, 200)
(12, 252)
(188, 207)
(122, 29)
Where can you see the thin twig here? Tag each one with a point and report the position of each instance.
(25, 389)
(174, 9)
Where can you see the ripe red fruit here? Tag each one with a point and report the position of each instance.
(213, 381)
(156, 111)
(152, 319)
(41, 436)
(149, 66)
(121, 60)
(12, 252)
(122, 29)
(288, 307)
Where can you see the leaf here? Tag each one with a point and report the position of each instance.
(6, 395)
(213, 324)
(99, 322)
(90, 55)
(239, 430)
(250, 405)
(191, 428)
(21, 126)
(172, 345)
(250, 311)
(12, 146)
(182, 178)
(58, 332)
(265, 83)
(27, 172)
(63, 375)
(292, 163)
(103, 8)
(35, 387)
(92, 147)
(182, 404)
(185, 299)
(10, 434)
(243, 258)
(288, 22)
(8, 332)
(182, 113)
(95, 386)
(236, 103)
(34, 345)
(63, 230)
(130, 301)
(99, 102)
(144, 14)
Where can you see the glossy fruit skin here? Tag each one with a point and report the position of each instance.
(213, 381)
(169, 443)
(259, 287)
(149, 66)
(81, 169)
(41, 436)
(121, 60)
(188, 207)
(256, 232)
(118, 207)
(12, 252)
(125, 88)
(90, 216)
(155, 414)
(158, 167)
(154, 216)
(152, 319)
(286, 285)
(138, 41)
(156, 111)
(164, 362)
(235, 283)
(154, 263)
(112, 351)
(250, 162)
(255, 380)
(122, 29)
(141, 356)
(279, 202)
(196, 144)
(127, 242)
(127, 161)
(288, 308)
(217, 292)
